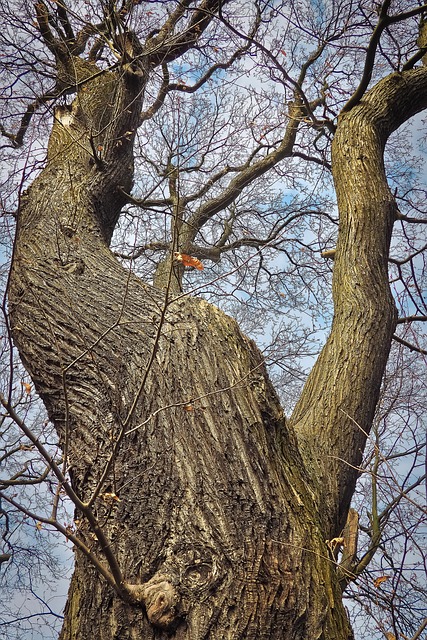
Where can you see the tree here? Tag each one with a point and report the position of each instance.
(201, 511)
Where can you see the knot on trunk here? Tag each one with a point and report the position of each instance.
(189, 571)
(160, 599)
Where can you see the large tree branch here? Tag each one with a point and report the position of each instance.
(17, 138)
(335, 410)
(217, 66)
(72, 70)
(166, 47)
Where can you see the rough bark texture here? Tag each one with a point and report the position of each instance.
(221, 522)
(211, 489)
(215, 518)
(334, 414)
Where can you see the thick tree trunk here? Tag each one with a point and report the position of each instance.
(212, 493)
(206, 519)
(165, 405)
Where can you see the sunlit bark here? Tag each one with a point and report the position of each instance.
(206, 513)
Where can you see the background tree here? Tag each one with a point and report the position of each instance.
(200, 510)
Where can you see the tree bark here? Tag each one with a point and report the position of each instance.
(212, 499)
(335, 411)
(170, 427)
(166, 405)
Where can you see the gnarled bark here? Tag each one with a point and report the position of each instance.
(165, 405)
(208, 519)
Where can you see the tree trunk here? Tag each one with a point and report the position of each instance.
(212, 494)
(207, 520)
(165, 405)
(335, 411)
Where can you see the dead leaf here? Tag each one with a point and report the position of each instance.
(110, 497)
(27, 387)
(335, 543)
(188, 261)
(378, 581)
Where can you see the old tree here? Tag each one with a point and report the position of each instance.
(200, 510)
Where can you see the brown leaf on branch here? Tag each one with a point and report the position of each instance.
(189, 261)
(378, 581)
(110, 497)
(27, 387)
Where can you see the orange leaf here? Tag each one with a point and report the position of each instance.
(379, 581)
(109, 497)
(27, 387)
(189, 261)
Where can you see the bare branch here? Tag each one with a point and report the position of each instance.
(414, 318)
(410, 346)
(409, 258)
(159, 101)
(401, 216)
(250, 173)
(17, 139)
(165, 47)
(383, 22)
